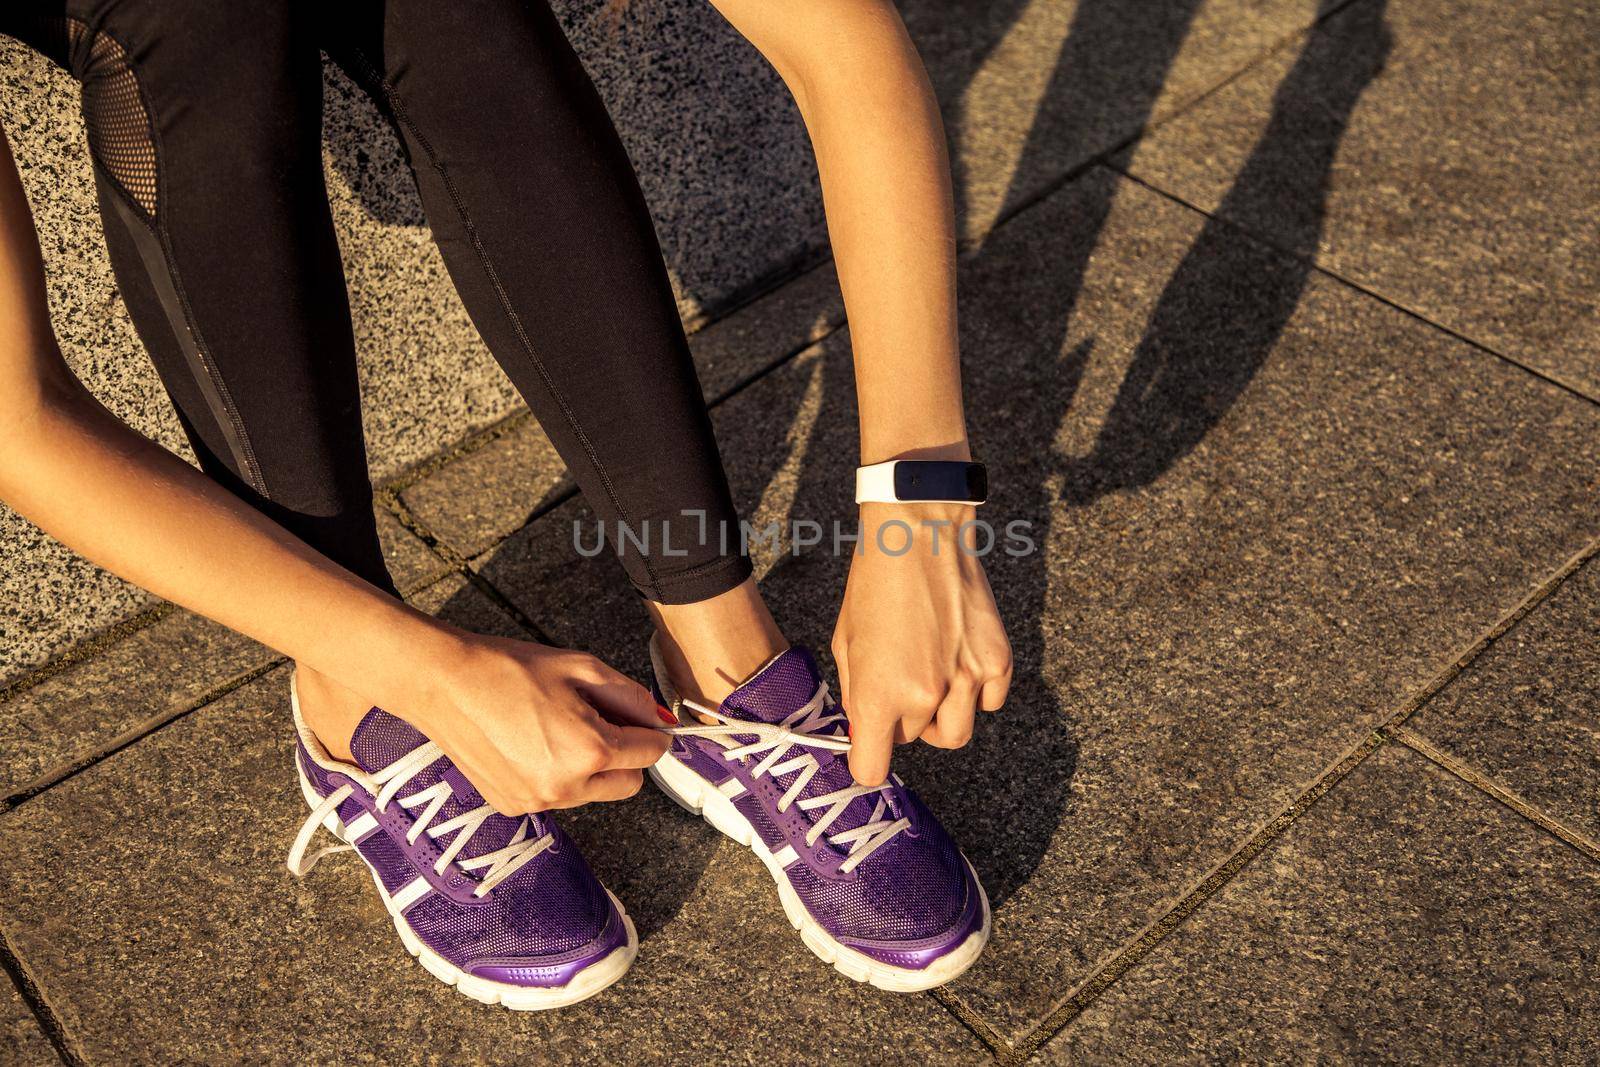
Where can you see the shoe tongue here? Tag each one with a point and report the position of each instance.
(777, 690)
(381, 739)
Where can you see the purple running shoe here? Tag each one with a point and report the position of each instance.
(506, 910)
(866, 874)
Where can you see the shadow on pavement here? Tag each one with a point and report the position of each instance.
(1213, 327)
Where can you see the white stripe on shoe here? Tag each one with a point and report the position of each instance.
(409, 894)
(360, 827)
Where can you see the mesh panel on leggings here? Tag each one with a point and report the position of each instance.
(120, 135)
(550, 906)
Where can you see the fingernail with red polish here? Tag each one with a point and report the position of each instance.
(666, 716)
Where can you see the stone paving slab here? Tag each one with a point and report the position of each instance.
(1406, 918)
(474, 501)
(22, 1043)
(1034, 88)
(1269, 508)
(149, 675)
(181, 937)
(411, 563)
(152, 673)
(1441, 155)
(1527, 712)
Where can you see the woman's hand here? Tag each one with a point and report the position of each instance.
(535, 728)
(919, 643)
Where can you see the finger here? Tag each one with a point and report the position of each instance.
(952, 726)
(871, 742)
(620, 700)
(911, 727)
(613, 785)
(841, 663)
(993, 695)
(636, 747)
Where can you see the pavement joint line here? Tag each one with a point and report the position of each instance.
(800, 264)
(43, 1014)
(1120, 961)
(61, 772)
(812, 341)
(1146, 939)
(1350, 283)
(1550, 824)
(460, 565)
(85, 650)
(473, 442)
(1496, 630)
(998, 1046)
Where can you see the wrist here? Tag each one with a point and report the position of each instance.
(916, 511)
(956, 448)
(432, 659)
(913, 529)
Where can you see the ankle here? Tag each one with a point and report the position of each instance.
(711, 648)
(330, 711)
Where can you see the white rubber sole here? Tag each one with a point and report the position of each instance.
(697, 796)
(585, 984)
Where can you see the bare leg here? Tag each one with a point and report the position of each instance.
(330, 710)
(714, 645)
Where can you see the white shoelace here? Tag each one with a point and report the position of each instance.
(501, 864)
(803, 728)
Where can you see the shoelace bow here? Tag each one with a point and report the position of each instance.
(500, 864)
(803, 728)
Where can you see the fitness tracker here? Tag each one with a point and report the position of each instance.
(923, 481)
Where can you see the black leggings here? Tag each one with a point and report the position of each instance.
(204, 122)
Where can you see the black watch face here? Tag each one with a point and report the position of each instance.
(940, 480)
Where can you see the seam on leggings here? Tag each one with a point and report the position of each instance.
(699, 573)
(151, 239)
(398, 107)
(696, 578)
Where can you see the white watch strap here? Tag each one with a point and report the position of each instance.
(875, 483)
